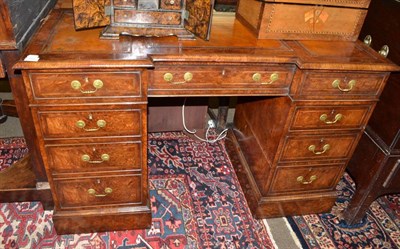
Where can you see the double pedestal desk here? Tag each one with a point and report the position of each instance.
(302, 107)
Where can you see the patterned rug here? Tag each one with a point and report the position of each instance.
(11, 150)
(196, 202)
(380, 228)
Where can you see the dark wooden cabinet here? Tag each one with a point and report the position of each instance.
(302, 108)
(375, 165)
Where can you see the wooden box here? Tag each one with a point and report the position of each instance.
(182, 18)
(304, 19)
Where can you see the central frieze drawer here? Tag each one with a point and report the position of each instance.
(99, 191)
(330, 117)
(69, 124)
(202, 77)
(341, 85)
(317, 177)
(94, 157)
(318, 147)
(61, 85)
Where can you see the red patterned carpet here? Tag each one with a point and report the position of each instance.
(196, 202)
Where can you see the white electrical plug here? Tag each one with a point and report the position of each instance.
(211, 123)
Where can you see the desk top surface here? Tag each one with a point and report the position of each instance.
(60, 46)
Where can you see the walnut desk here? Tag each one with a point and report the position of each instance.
(302, 109)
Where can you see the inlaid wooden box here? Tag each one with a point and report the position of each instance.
(304, 19)
(182, 18)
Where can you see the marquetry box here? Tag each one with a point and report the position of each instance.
(304, 19)
(182, 18)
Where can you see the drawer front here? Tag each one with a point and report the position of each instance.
(318, 147)
(125, 3)
(330, 117)
(142, 17)
(341, 85)
(227, 78)
(99, 191)
(70, 124)
(315, 178)
(94, 157)
(310, 21)
(59, 85)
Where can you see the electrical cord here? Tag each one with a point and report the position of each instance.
(220, 136)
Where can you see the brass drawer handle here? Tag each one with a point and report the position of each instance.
(325, 148)
(107, 191)
(104, 157)
(168, 77)
(302, 181)
(100, 124)
(351, 84)
(324, 118)
(257, 78)
(384, 51)
(368, 40)
(76, 85)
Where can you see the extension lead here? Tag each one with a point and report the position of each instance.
(221, 135)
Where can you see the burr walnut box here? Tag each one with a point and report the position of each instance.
(182, 18)
(304, 19)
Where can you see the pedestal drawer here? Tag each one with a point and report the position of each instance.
(94, 157)
(99, 191)
(318, 147)
(310, 178)
(90, 123)
(341, 85)
(330, 117)
(84, 85)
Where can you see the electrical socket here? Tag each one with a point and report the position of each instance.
(211, 123)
